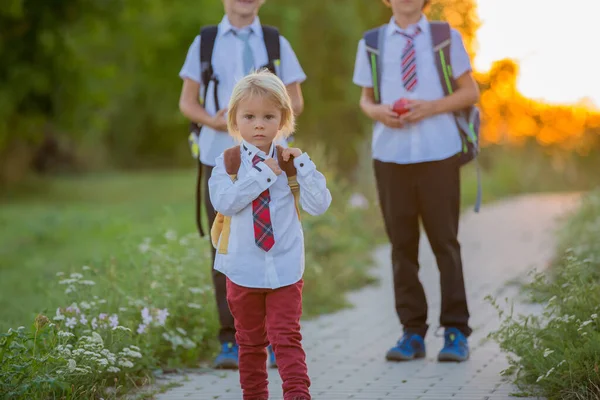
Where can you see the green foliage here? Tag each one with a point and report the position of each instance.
(100, 77)
(557, 354)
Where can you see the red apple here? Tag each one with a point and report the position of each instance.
(400, 107)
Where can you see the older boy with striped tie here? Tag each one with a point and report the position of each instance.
(415, 150)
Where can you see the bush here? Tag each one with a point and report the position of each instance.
(557, 354)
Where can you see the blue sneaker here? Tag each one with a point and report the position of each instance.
(228, 358)
(272, 360)
(455, 348)
(409, 347)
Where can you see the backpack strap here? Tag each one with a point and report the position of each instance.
(291, 172)
(374, 42)
(273, 46)
(232, 158)
(208, 35)
(440, 38)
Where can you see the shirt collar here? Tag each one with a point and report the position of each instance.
(225, 27)
(249, 151)
(423, 24)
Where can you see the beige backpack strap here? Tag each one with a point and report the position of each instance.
(222, 226)
(291, 172)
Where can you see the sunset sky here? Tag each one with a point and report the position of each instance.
(555, 43)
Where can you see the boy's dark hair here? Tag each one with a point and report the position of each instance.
(387, 3)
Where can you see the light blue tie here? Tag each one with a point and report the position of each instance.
(247, 57)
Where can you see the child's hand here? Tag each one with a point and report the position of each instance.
(290, 152)
(272, 163)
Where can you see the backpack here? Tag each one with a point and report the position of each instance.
(467, 120)
(220, 230)
(208, 35)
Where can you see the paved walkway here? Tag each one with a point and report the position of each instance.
(346, 350)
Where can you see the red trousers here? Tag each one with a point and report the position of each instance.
(272, 316)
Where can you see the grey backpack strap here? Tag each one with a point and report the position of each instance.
(374, 42)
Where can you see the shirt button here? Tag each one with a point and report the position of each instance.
(302, 164)
(268, 179)
(249, 153)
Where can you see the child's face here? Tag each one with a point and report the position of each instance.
(407, 7)
(258, 120)
(243, 8)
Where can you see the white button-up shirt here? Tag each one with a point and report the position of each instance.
(245, 263)
(434, 138)
(228, 66)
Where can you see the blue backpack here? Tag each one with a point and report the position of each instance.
(467, 120)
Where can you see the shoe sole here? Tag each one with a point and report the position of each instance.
(399, 357)
(451, 358)
(226, 365)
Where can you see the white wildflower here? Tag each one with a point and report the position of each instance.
(547, 352)
(196, 290)
(67, 281)
(113, 370)
(70, 289)
(141, 329)
(561, 363)
(102, 316)
(162, 316)
(114, 321)
(82, 370)
(102, 361)
(97, 338)
(194, 305)
(132, 347)
(122, 309)
(83, 320)
(85, 268)
(85, 305)
(551, 370)
(594, 316)
(65, 334)
(101, 301)
(170, 235)
(76, 275)
(122, 328)
(166, 336)
(125, 363)
(60, 274)
(71, 365)
(181, 330)
(146, 317)
(144, 247)
(94, 323)
(59, 316)
(584, 324)
(539, 378)
(71, 322)
(88, 283)
(358, 201)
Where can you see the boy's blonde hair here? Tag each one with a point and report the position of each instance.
(265, 84)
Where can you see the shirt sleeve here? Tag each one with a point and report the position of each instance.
(229, 197)
(315, 198)
(291, 71)
(191, 66)
(362, 69)
(459, 58)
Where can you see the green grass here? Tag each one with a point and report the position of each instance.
(65, 223)
(557, 354)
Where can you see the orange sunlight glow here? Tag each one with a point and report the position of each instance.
(554, 43)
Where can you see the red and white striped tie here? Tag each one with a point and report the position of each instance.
(409, 61)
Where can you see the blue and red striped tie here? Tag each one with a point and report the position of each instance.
(263, 229)
(409, 61)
